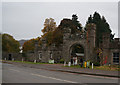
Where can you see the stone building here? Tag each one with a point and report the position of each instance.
(110, 51)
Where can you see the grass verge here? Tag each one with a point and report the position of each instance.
(106, 67)
(28, 62)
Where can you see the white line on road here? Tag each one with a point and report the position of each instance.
(53, 78)
(14, 70)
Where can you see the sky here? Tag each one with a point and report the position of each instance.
(24, 20)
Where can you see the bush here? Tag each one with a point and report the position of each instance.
(24, 55)
(61, 60)
(96, 64)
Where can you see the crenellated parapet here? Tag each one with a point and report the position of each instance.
(67, 35)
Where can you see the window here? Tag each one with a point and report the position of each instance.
(51, 55)
(116, 58)
(40, 56)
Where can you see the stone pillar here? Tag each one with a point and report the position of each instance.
(36, 51)
(65, 50)
(90, 41)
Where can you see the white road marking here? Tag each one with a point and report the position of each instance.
(14, 70)
(53, 78)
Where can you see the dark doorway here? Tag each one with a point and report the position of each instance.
(10, 57)
(77, 53)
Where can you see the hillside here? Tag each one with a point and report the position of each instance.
(22, 42)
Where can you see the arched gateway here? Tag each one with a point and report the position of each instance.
(77, 53)
(84, 40)
(78, 45)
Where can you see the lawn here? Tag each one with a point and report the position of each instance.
(28, 62)
(105, 67)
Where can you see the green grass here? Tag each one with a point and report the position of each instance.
(76, 66)
(112, 68)
(29, 62)
(106, 67)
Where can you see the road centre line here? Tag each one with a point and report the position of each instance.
(53, 78)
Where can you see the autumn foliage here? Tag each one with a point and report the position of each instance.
(49, 25)
(51, 33)
(29, 45)
(54, 35)
(9, 44)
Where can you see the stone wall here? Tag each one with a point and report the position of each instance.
(30, 57)
(15, 56)
(45, 56)
(110, 47)
(79, 38)
(111, 55)
(67, 47)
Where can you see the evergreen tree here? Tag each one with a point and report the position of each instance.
(90, 20)
(76, 22)
(101, 27)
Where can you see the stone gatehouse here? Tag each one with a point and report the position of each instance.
(110, 51)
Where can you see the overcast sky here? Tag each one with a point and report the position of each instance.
(24, 20)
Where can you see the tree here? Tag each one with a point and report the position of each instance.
(73, 24)
(29, 45)
(54, 35)
(9, 44)
(96, 18)
(74, 17)
(49, 25)
(76, 22)
(101, 27)
(57, 36)
(90, 20)
(48, 37)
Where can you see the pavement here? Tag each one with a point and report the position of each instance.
(60, 67)
(27, 73)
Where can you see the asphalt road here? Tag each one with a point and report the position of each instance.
(20, 74)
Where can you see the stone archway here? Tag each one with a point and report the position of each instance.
(69, 45)
(77, 53)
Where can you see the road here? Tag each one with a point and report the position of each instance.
(20, 74)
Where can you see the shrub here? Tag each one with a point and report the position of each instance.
(96, 64)
(61, 60)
